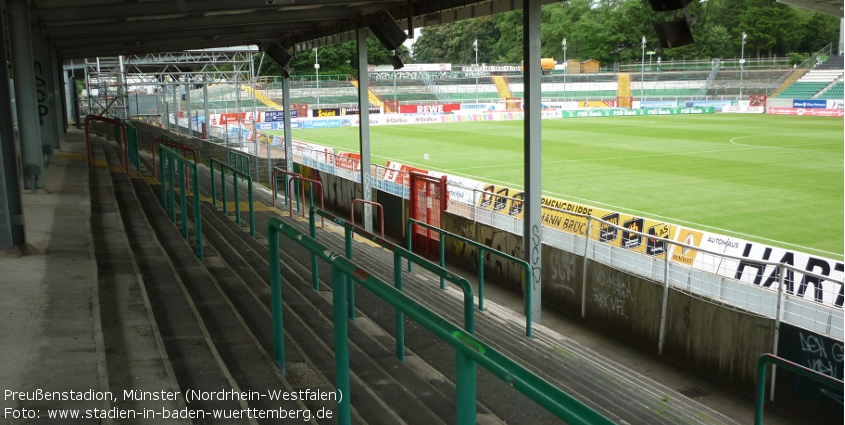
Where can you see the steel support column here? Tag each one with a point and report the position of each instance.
(207, 121)
(364, 128)
(26, 101)
(175, 107)
(286, 124)
(188, 109)
(533, 152)
(42, 65)
(12, 232)
(59, 93)
(54, 97)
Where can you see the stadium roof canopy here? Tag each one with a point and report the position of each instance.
(88, 28)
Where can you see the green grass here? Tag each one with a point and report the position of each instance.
(772, 179)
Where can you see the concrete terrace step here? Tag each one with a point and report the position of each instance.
(382, 390)
(135, 354)
(622, 395)
(206, 343)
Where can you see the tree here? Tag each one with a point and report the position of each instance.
(611, 30)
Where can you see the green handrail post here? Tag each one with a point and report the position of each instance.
(790, 366)
(481, 279)
(239, 160)
(223, 190)
(481, 250)
(213, 187)
(410, 243)
(170, 166)
(251, 196)
(312, 231)
(173, 159)
(466, 287)
(197, 212)
(250, 193)
(161, 179)
(556, 401)
(183, 202)
(442, 260)
(350, 286)
(341, 346)
(466, 388)
(276, 294)
(400, 317)
(237, 199)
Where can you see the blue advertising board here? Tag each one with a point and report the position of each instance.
(277, 116)
(809, 103)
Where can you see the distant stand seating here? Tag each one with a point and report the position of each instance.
(837, 91)
(816, 80)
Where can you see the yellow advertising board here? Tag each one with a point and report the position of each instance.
(557, 214)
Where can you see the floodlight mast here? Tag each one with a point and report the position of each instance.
(564, 68)
(742, 62)
(642, 73)
(317, 71)
(475, 47)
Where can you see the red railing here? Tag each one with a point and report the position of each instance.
(381, 213)
(124, 156)
(302, 192)
(276, 172)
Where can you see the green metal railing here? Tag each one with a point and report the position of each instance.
(792, 367)
(132, 146)
(398, 254)
(481, 249)
(169, 139)
(240, 162)
(168, 161)
(286, 174)
(469, 351)
(235, 174)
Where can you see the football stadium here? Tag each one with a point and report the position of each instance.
(432, 211)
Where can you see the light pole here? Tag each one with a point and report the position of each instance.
(317, 71)
(742, 62)
(475, 47)
(565, 65)
(642, 73)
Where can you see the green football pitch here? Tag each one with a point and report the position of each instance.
(772, 179)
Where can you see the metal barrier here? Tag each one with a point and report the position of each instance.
(398, 254)
(481, 249)
(120, 137)
(235, 174)
(362, 201)
(470, 351)
(312, 227)
(790, 366)
(275, 179)
(173, 145)
(132, 147)
(170, 158)
(311, 183)
(241, 162)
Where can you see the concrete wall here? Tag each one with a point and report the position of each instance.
(714, 341)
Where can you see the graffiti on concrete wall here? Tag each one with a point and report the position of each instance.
(820, 355)
(507, 243)
(41, 93)
(611, 293)
(561, 269)
(338, 192)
